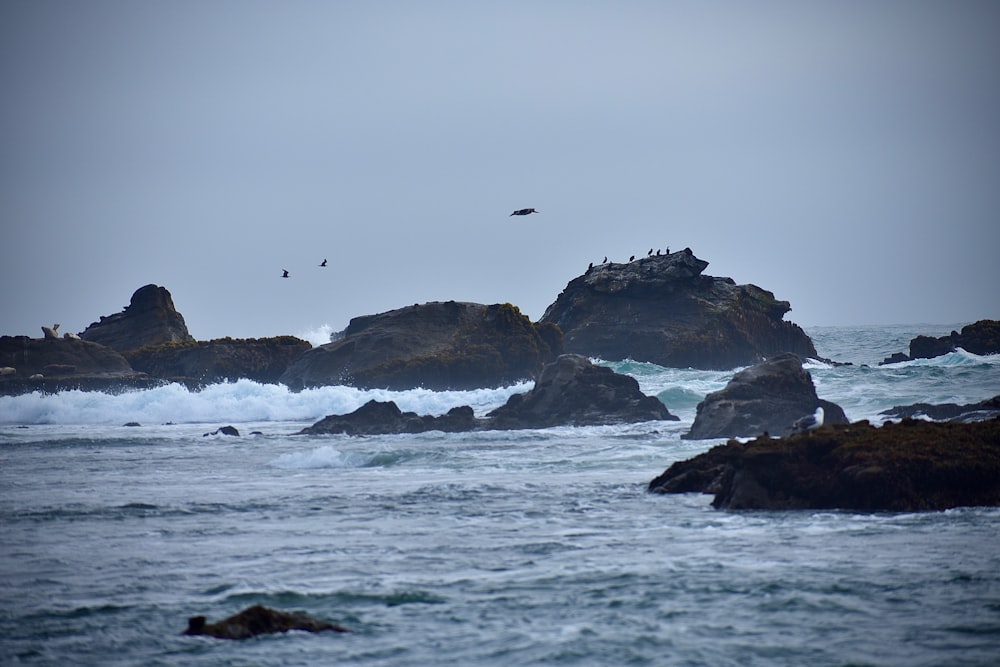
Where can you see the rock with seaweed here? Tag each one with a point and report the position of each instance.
(969, 412)
(259, 620)
(439, 345)
(262, 360)
(149, 319)
(768, 397)
(911, 465)
(982, 337)
(571, 391)
(662, 309)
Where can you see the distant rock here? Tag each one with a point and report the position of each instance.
(573, 391)
(569, 392)
(970, 412)
(258, 620)
(900, 467)
(262, 360)
(225, 430)
(661, 309)
(149, 319)
(765, 398)
(440, 345)
(982, 337)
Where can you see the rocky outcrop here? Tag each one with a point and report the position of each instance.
(569, 392)
(982, 337)
(765, 398)
(970, 412)
(572, 391)
(149, 319)
(258, 620)
(906, 466)
(222, 360)
(440, 345)
(57, 357)
(662, 309)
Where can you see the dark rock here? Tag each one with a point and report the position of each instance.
(132, 424)
(258, 620)
(982, 337)
(909, 466)
(569, 392)
(662, 309)
(969, 412)
(572, 391)
(439, 346)
(149, 319)
(225, 430)
(59, 356)
(765, 398)
(222, 360)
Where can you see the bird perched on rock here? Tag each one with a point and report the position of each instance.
(524, 211)
(808, 423)
(323, 263)
(284, 273)
(632, 258)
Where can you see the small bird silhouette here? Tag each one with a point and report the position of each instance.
(524, 211)
(650, 253)
(632, 258)
(605, 260)
(323, 263)
(285, 273)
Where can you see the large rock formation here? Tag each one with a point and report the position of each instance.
(569, 392)
(58, 364)
(440, 345)
(662, 309)
(149, 319)
(766, 398)
(221, 360)
(258, 620)
(906, 466)
(982, 337)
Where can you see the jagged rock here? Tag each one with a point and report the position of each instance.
(572, 391)
(221, 360)
(569, 392)
(969, 412)
(149, 319)
(906, 466)
(258, 620)
(225, 430)
(982, 337)
(662, 309)
(765, 398)
(440, 345)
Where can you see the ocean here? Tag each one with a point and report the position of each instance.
(497, 548)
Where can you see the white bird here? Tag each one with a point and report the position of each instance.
(808, 423)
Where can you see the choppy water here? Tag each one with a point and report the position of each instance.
(503, 548)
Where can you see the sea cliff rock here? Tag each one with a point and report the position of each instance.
(222, 360)
(765, 398)
(60, 357)
(258, 620)
(982, 337)
(662, 309)
(970, 412)
(571, 391)
(906, 466)
(440, 345)
(149, 319)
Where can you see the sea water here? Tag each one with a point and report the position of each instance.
(498, 548)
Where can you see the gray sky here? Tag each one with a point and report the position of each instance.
(845, 156)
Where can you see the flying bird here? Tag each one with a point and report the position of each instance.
(524, 211)
(285, 273)
(323, 263)
(809, 422)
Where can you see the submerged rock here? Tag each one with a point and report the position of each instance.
(440, 345)
(662, 309)
(982, 337)
(969, 412)
(571, 391)
(768, 397)
(149, 319)
(258, 620)
(906, 466)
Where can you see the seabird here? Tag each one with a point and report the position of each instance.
(657, 252)
(650, 253)
(591, 266)
(323, 263)
(285, 274)
(605, 260)
(632, 258)
(523, 211)
(809, 422)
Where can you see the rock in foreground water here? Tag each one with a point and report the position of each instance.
(258, 620)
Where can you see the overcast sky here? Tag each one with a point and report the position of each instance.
(844, 155)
